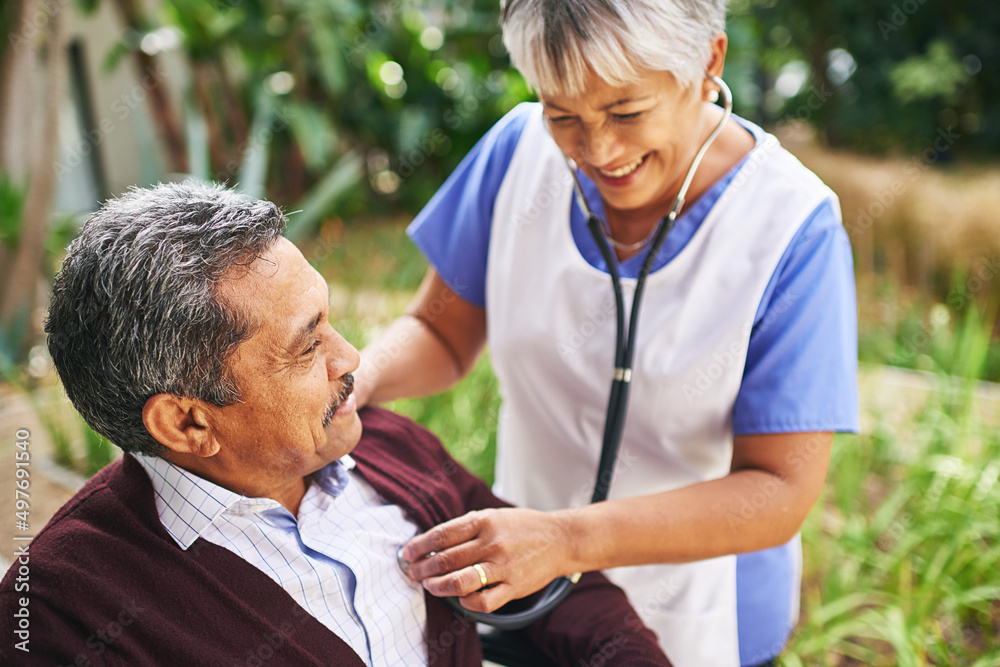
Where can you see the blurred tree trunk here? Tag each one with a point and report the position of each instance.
(239, 124)
(17, 301)
(234, 116)
(15, 55)
(161, 109)
(225, 118)
(201, 80)
(11, 18)
(821, 82)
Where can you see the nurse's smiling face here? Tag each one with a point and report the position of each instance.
(635, 142)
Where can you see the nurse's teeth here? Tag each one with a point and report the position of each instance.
(621, 171)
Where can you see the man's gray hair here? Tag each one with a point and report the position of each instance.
(556, 44)
(135, 310)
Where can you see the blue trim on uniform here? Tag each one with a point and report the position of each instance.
(463, 207)
(685, 226)
(764, 594)
(808, 314)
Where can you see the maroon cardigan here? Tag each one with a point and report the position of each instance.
(109, 586)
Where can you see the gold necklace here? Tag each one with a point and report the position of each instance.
(606, 228)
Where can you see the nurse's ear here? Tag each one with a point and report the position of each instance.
(716, 63)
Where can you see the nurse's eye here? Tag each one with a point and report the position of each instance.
(560, 120)
(625, 117)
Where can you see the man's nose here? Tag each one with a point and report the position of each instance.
(345, 357)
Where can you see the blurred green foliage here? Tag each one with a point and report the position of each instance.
(11, 208)
(411, 85)
(953, 338)
(882, 75)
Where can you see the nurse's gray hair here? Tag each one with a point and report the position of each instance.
(556, 44)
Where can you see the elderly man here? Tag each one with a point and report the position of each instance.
(256, 515)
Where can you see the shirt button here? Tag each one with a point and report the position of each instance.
(368, 612)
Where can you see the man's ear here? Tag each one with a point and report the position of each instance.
(180, 424)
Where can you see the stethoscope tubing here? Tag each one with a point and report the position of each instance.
(618, 396)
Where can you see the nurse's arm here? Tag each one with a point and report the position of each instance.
(774, 481)
(430, 348)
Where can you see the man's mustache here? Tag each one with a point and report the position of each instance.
(345, 391)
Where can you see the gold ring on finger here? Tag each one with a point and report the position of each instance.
(482, 574)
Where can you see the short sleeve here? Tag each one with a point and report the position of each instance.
(802, 359)
(453, 230)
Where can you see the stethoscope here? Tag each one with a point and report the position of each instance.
(614, 423)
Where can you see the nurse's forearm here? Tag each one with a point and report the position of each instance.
(760, 504)
(406, 361)
(697, 522)
(427, 350)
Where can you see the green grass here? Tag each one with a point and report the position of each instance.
(902, 551)
(370, 255)
(912, 331)
(465, 418)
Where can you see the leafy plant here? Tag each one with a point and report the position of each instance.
(902, 550)
(98, 450)
(407, 86)
(12, 197)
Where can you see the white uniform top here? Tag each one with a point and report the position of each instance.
(552, 334)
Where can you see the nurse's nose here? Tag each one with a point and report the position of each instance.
(599, 145)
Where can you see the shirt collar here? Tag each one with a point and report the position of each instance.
(188, 504)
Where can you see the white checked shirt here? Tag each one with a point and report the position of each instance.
(337, 559)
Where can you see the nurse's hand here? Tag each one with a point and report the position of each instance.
(519, 551)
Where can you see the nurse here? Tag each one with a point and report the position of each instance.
(746, 348)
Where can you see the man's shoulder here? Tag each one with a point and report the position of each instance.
(103, 512)
(95, 499)
(80, 567)
(389, 434)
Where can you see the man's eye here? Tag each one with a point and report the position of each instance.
(560, 120)
(312, 348)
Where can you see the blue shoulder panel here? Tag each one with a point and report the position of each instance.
(453, 230)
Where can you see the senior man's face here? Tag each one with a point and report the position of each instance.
(636, 141)
(297, 412)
